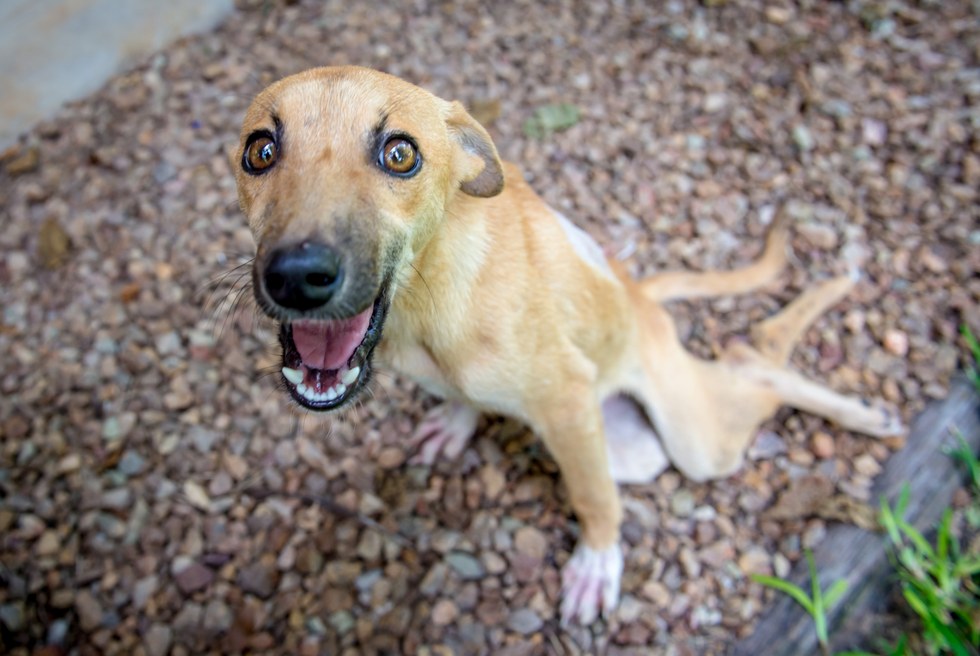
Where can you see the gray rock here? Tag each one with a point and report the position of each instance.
(157, 640)
(524, 621)
(465, 565)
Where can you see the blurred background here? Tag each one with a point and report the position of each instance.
(157, 493)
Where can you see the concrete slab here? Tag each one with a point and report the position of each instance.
(53, 51)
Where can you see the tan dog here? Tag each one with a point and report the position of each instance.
(385, 221)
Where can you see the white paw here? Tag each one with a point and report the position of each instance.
(446, 429)
(590, 584)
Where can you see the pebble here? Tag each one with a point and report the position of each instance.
(259, 578)
(896, 342)
(90, 611)
(191, 575)
(529, 541)
(157, 640)
(524, 621)
(465, 565)
(682, 503)
(822, 445)
(444, 612)
(12, 616)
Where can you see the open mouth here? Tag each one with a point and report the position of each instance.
(327, 361)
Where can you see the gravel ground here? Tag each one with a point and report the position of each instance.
(158, 495)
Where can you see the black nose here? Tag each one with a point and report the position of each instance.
(303, 277)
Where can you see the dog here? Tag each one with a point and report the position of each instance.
(387, 228)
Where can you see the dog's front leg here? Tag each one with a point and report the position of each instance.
(570, 424)
(446, 429)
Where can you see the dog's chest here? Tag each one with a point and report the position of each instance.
(414, 360)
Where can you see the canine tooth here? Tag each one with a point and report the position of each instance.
(350, 375)
(295, 376)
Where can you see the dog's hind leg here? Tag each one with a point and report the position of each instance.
(776, 337)
(876, 418)
(635, 452)
(675, 285)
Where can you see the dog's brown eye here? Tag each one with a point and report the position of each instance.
(260, 154)
(399, 156)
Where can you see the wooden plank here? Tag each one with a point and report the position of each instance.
(859, 556)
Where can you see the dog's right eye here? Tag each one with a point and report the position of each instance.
(260, 154)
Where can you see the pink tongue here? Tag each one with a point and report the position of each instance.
(329, 344)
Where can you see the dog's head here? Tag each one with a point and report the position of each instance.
(345, 174)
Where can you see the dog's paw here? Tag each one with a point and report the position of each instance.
(590, 584)
(446, 429)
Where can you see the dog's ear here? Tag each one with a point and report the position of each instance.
(480, 171)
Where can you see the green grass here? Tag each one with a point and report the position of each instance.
(817, 603)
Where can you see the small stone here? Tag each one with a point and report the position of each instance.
(896, 342)
(531, 542)
(494, 562)
(48, 544)
(144, 589)
(89, 611)
(157, 640)
(118, 499)
(493, 481)
(188, 619)
(191, 575)
(524, 621)
(168, 343)
(778, 15)
(803, 138)
(715, 102)
(819, 235)
(70, 463)
(466, 566)
(285, 454)
(197, 496)
(873, 132)
(217, 617)
(342, 621)
(754, 561)
(391, 458)
(822, 445)
(866, 465)
(444, 612)
(12, 615)
(221, 484)
(434, 580)
(682, 503)
(131, 463)
(260, 578)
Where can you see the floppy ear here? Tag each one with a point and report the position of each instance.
(480, 170)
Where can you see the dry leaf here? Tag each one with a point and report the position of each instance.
(803, 498)
(53, 244)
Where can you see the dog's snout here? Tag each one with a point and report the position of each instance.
(304, 276)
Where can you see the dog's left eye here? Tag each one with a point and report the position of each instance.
(398, 156)
(260, 154)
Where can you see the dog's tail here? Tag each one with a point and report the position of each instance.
(674, 285)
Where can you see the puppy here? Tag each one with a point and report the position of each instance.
(386, 225)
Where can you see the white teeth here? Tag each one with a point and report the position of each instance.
(340, 388)
(331, 394)
(304, 390)
(350, 375)
(295, 376)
